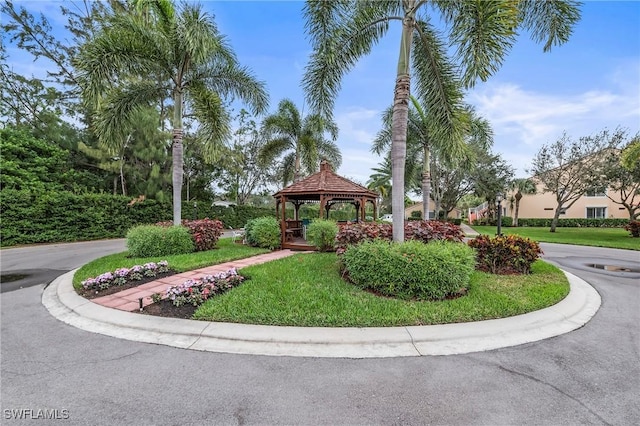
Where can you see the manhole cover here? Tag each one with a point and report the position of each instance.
(613, 268)
(7, 278)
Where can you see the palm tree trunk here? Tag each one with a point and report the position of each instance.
(426, 184)
(177, 152)
(399, 122)
(515, 219)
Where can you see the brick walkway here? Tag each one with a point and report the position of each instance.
(129, 300)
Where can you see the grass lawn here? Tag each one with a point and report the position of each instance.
(226, 251)
(598, 237)
(307, 290)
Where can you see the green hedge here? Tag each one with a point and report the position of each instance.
(575, 223)
(35, 217)
(46, 217)
(231, 217)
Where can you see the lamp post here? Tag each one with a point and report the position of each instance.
(499, 212)
(195, 210)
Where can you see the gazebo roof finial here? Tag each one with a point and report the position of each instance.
(324, 165)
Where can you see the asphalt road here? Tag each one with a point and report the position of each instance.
(589, 376)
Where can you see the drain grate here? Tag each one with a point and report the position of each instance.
(613, 268)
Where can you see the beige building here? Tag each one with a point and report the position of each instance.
(593, 205)
(417, 207)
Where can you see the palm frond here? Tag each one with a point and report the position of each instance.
(273, 149)
(341, 33)
(550, 22)
(117, 114)
(436, 84)
(214, 120)
(230, 80)
(483, 32)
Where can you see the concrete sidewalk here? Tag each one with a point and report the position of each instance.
(62, 301)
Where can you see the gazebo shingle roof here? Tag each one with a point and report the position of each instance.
(325, 182)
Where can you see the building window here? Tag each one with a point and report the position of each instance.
(596, 212)
(597, 192)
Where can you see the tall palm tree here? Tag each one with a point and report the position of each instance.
(521, 186)
(428, 153)
(157, 54)
(342, 32)
(300, 139)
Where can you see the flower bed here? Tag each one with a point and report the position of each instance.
(196, 292)
(123, 276)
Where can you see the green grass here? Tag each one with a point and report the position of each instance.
(307, 290)
(226, 251)
(598, 237)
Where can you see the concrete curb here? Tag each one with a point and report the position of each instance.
(571, 313)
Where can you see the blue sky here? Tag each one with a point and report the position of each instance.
(589, 84)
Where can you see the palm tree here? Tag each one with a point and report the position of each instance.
(380, 181)
(301, 140)
(173, 58)
(521, 186)
(342, 32)
(427, 153)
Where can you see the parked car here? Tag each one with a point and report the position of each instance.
(387, 218)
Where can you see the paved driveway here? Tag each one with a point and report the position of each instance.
(589, 376)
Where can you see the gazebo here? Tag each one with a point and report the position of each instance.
(325, 188)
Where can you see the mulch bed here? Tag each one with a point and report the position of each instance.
(92, 294)
(165, 308)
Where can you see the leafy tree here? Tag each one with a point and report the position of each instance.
(521, 186)
(31, 163)
(160, 54)
(300, 139)
(630, 158)
(242, 172)
(621, 180)
(142, 162)
(491, 176)
(342, 32)
(568, 168)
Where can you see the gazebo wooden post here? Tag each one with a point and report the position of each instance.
(363, 206)
(323, 202)
(283, 221)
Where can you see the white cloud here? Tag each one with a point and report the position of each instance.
(357, 164)
(358, 125)
(523, 120)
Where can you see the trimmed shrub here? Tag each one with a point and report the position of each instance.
(432, 230)
(575, 223)
(152, 240)
(634, 228)
(204, 232)
(263, 232)
(505, 221)
(424, 230)
(416, 214)
(322, 234)
(45, 217)
(411, 270)
(356, 233)
(236, 216)
(506, 254)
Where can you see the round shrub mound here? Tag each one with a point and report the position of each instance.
(505, 254)
(322, 234)
(152, 240)
(412, 269)
(263, 232)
